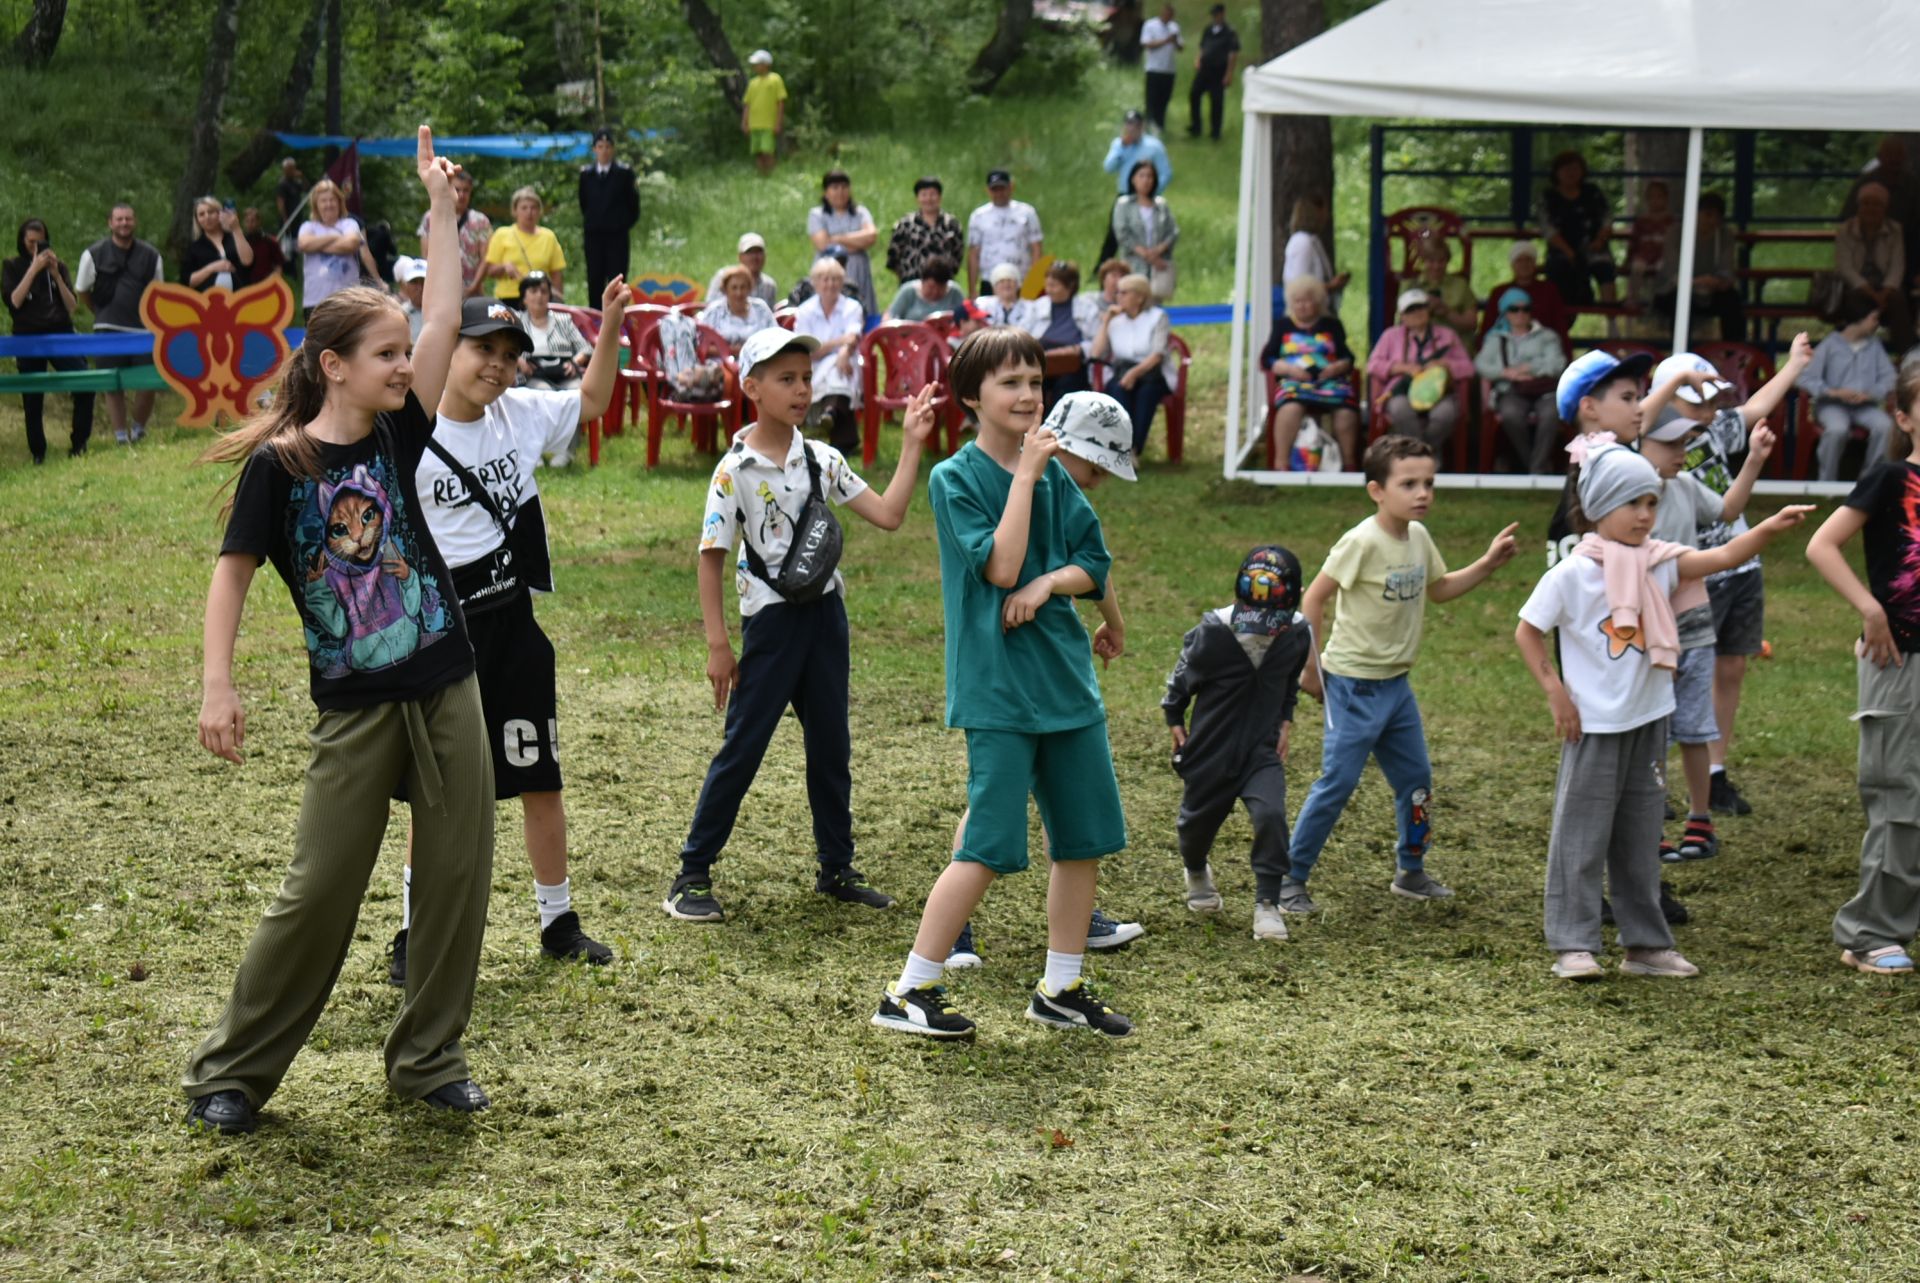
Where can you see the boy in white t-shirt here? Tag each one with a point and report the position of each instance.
(476, 486)
(1613, 601)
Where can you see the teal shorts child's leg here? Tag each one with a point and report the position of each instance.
(1079, 797)
(1000, 777)
(1354, 713)
(1401, 750)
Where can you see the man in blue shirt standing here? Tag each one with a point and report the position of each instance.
(1133, 145)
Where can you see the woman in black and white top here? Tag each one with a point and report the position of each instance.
(560, 351)
(219, 254)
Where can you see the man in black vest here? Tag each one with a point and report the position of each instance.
(609, 207)
(114, 272)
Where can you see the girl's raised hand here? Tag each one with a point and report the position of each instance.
(436, 172)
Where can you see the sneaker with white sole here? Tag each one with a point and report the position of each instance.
(691, 899)
(1887, 960)
(1104, 932)
(1576, 964)
(1418, 884)
(1268, 922)
(923, 1010)
(963, 955)
(1075, 1007)
(1294, 897)
(1202, 895)
(1657, 962)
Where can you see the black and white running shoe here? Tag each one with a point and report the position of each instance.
(1076, 1008)
(922, 1011)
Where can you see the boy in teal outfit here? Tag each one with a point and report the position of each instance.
(1017, 539)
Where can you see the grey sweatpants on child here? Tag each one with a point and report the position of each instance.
(438, 744)
(1886, 909)
(1205, 805)
(1607, 810)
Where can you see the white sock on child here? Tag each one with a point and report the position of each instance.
(406, 897)
(1062, 970)
(919, 971)
(552, 901)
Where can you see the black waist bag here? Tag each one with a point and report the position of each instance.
(806, 573)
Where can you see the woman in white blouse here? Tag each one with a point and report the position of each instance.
(560, 351)
(837, 321)
(1306, 253)
(1132, 340)
(737, 312)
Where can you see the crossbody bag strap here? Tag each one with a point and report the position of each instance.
(472, 483)
(755, 562)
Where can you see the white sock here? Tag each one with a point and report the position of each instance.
(1062, 970)
(406, 899)
(1717, 769)
(552, 901)
(918, 971)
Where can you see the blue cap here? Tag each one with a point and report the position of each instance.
(1586, 372)
(1515, 297)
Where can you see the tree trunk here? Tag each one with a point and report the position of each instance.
(35, 44)
(1656, 149)
(203, 153)
(1009, 40)
(569, 40)
(1302, 145)
(1123, 32)
(244, 170)
(336, 56)
(713, 39)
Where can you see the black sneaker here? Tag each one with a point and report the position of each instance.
(397, 960)
(1724, 799)
(564, 941)
(228, 1112)
(1671, 909)
(849, 887)
(463, 1097)
(1075, 1008)
(963, 954)
(922, 1011)
(691, 900)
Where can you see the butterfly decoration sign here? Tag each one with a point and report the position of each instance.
(216, 348)
(664, 289)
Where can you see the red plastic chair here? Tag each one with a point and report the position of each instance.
(783, 318)
(635, 376)
(705, 416)
(1806, 435)
(1741, 364)
(1174, 404)
(912, 356)
(1416, 223)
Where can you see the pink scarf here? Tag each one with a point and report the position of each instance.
(1638, 607)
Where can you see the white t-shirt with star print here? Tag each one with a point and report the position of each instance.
(1613, 685)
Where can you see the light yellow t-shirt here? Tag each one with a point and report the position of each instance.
(764, 96)
(1382, 602)
(539, 252)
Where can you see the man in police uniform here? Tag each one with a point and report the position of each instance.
(609, 207)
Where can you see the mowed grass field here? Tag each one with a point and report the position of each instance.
(1399, 1093)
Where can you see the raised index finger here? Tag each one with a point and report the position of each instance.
(424, 153)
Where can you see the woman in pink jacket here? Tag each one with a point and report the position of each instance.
(1402, 352)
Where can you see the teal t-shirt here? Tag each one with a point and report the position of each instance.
(1039, 677)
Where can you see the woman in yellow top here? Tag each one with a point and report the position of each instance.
(524, 247)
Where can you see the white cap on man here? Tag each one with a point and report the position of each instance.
(750, 240)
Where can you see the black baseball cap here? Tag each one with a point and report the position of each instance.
(603, 135)
(1133, 117)
(480, 317)
(999, 178)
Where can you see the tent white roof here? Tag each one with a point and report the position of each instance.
(1712, 64)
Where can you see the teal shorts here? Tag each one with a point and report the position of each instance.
(1069, 773)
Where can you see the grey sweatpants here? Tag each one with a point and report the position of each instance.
(1205, 805)
(439, 746)
(1433, 426)
(1606, 823)
(1886, 908)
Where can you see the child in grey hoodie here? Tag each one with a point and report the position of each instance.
(1240, 669)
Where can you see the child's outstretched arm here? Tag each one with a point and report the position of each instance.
(1759, 447)
(603, 371)
(888, 510)
(1533, 648)
(1702, 562)
(723, 670)
(440, 301)
(1826, 551)
(1313, 604)
(223, 722)
(1458, 583)
(1010, 536)
(1764, 402)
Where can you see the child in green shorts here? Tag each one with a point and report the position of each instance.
(1016, 537)
(763, 111)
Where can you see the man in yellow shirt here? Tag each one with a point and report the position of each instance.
(763, 114)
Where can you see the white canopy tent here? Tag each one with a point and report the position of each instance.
(1693, 64)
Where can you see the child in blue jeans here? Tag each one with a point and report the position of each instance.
(1380, 576)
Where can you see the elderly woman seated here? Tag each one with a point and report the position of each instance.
(837, 321)
(738, 311)
(1004, 306)
(1414, 368)
(1132, 341)
(1521, 360)
(560, 351)
(1065, 322)
(1312, 372)
(932, 293)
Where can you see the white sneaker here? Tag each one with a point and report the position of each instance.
(1268, 922)
(1576, 964)
(139, 432)
(1657, 962)
(560, 459)
(1202, 895)
(120, 436)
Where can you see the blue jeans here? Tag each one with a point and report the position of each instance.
(1368, 718)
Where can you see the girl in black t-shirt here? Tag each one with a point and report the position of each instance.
(326, 493)
(1875, 929)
